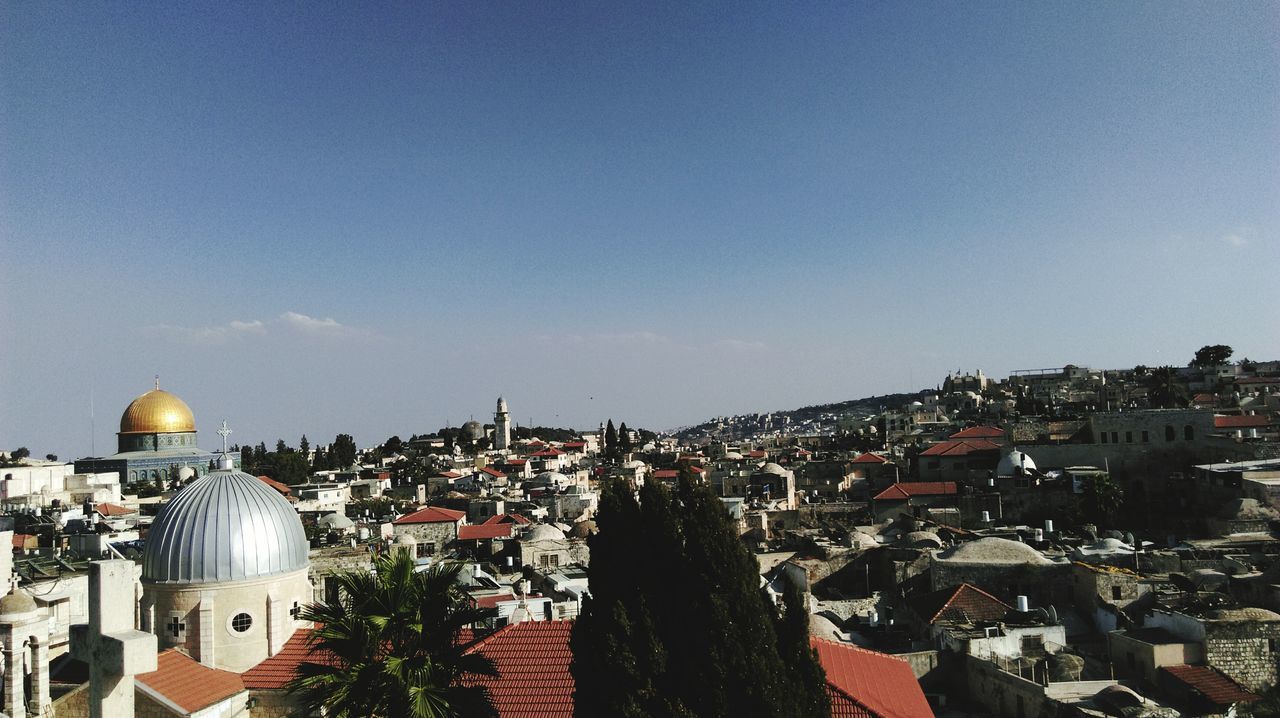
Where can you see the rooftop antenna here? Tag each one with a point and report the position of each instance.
(157, 382)
(93, 430)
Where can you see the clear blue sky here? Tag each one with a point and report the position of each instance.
(320, 218)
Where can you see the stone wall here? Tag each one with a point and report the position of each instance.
(1243, 651)
(72, 704)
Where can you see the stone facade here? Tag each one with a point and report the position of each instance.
(205, 620)
(433, 538)
(1244, 650)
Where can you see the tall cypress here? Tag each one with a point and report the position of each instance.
(677, 624)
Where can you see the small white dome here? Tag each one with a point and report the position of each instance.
(1015, 463)
(551, 477)
(772, 468)
(544, 532)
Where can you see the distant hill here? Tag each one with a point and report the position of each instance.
(746, 424)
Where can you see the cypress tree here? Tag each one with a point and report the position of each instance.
(676, 624)
(610, 439)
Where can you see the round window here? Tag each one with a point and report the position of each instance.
(241, 622)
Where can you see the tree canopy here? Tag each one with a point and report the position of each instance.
(676, 623)
(1211, 355)
(392, 645)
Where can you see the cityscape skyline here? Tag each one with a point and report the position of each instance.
(375, 223)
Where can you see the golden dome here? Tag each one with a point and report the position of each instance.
(157, 412)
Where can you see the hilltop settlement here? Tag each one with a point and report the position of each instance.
(1058, 542)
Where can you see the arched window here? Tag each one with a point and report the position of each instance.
(1188, 433)
(1169, 434)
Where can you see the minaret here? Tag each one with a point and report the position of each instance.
(501, 426)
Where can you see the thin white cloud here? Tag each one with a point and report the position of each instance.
(312, 325)
(1235, 240)
(219, 334)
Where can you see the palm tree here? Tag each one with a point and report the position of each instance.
(388, 647)
(1165, 389)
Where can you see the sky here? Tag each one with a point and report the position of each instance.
(329, 217)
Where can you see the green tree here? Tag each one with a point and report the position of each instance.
(393, 648)
(343, 451)
(281, 448)
(624, 439)
(392, 446)
(639, 649)
(610, 440)
(290, 468)
(1100, 500)
(304, 446)
(1165, 389)
(1211, 355)
(248, 459)
(21, 452)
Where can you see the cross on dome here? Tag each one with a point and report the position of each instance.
(224, 432)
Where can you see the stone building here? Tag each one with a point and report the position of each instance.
(1242, 643)
(225, 571)
(434, 528)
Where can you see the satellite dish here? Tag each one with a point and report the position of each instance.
(1053, 615)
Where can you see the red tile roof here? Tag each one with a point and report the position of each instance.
(575, 444)
(870, 459)
(431, 515)
(962, 603)
(275, 672)
(550, 451)
(979, 432)
(903, 491)
(517, 462)
(113, 510)
(1217, 688)
(282, 488)
(960, 447)
(881, 685)
(533, 678)
(507, 519)
(1204, 399)
(186, 683)
(1242, 421)
(491, 601)
(484, 531)
(493, 472)
(757, 453)
(450, 474)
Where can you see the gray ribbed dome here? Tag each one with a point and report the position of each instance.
(226, 526)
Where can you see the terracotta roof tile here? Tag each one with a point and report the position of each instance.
(493, 472)
(870, 459)
(484, 531)
(1217, 688)
(275, 672)
(883, 685)
(961, 603)
(282, 488)
(533, 678)
(186, 683)
(551, 451)
(1241, 421)
(979, 432)
(113, 510)
(903, 491)
(507, 519)
(960, 447)
(431, 515)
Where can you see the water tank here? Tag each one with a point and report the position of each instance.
(363, 533)
(1048, 526)
(1023, 604)
(1039, 535)
(986, 517)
